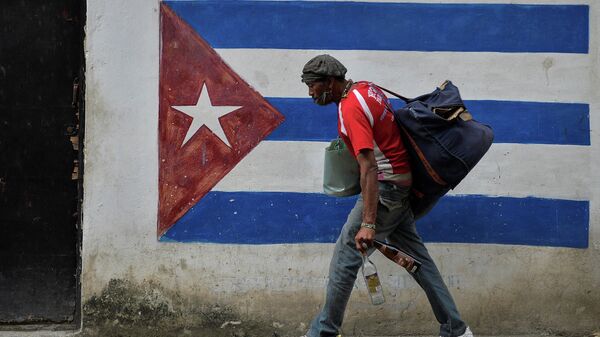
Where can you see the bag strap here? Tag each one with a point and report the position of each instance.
(393, 93)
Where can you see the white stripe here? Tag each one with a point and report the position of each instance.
(364, 106)
(544, 77)
(548, 171)
(383, 163)
(342, 126)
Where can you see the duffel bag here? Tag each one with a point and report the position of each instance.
(444, 143)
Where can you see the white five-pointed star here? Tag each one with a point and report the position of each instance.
(204, 113)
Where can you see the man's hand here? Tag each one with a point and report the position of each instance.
(364, 236)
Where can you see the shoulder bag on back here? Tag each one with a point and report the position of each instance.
(443, 140)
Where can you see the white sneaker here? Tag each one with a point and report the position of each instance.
(468, 333)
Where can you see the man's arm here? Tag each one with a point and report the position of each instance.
(370, 194)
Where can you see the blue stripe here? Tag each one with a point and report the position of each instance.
(278, 217)
(389, 26)
(513, 122)
(535, 122)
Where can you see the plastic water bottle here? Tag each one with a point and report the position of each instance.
(372, 281)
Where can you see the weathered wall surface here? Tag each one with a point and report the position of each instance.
(507, 275)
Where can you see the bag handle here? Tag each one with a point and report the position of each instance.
(393, 93)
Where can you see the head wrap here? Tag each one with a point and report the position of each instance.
(321, 67)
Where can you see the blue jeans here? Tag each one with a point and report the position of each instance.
(395, 223)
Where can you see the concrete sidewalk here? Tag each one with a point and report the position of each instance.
(76, 333)
(47, 331)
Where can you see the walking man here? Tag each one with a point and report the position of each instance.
(366, 124)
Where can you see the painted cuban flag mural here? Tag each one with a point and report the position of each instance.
(241, 144)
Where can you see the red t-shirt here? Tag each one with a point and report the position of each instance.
(366, 121)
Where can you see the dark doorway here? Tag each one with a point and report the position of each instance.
(41, 57)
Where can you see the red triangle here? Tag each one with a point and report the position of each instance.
(187, 173)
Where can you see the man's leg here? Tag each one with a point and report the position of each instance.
(346, 260)
(429, 278)
(344, 266)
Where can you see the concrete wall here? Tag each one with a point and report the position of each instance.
(539, 279)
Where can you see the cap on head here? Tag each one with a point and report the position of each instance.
(321, 67)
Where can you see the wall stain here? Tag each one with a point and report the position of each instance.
(547, 64)
(128, 309)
